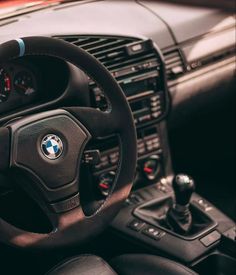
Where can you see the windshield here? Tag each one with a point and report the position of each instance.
(10, 8)
(18, 4)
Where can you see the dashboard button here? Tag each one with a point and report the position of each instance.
(156, 145)
(140, 144)
(104, 161)
(210, 238)
(154, 98)
(155, 109)
(152, 232)
(136, 225)
(149, 142)
(156, 114)
(141, 150)
(114, 157)
(155, 103)
(204, 205)
(144, 118)
(150, 148)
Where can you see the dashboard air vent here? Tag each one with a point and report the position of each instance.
(174, 64)
(127, 59)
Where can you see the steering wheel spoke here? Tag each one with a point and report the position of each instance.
(4, 148)
(98, 123)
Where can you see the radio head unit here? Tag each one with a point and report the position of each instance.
(139, 69)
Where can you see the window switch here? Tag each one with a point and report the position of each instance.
(136, 225)
(152, 232)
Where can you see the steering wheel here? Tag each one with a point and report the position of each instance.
(48, 147)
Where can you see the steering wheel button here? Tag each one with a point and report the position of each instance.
(91, 157)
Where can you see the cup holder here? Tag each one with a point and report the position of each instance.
(216, 264)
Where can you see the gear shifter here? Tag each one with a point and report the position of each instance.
(179, 216)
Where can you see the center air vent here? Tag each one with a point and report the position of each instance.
(174, 64)
(126, 59)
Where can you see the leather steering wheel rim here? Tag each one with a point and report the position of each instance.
(72, 226)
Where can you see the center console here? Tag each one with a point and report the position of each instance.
(139, 69)
(143, 217)
(163, 213)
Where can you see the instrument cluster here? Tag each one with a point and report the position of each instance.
(31, 81)
(19, 85)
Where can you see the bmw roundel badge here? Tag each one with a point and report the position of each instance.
(52, 146)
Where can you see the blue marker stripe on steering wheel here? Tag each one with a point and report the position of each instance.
(22, 46)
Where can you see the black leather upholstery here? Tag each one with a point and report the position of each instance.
(130, 264)
(143, 264)
(83, 265)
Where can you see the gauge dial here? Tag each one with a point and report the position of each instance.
(24, 83)
(5, 85)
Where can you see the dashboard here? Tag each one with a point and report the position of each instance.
(187, 38)
(163, 61)
(172, 63)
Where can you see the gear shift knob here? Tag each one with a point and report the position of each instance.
(179, 216)
(183, 186)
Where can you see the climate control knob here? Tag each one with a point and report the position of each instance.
(105, 182)
(151, 167)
